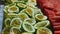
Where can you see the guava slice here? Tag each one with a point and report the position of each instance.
(43, 30)
(42, 24)
(40, 17)
(23, 16)
(31, 21)
(15, 31)
(21, 5)
(28, 27)
(30, 11)
(7, 22)
(6, 30)
(16, 22)
(13, 9)
(27, 33)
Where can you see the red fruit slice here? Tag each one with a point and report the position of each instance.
(56, 27)
(56, 24)
(49, 12)
(58, 13)
(56, 32)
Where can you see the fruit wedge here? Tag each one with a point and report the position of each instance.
(30, 11)
(28, 27)
(40, 17)
(31, 21)
(7, 22)
(15, 31)
(16, 22)
(42, 24)
(6, 30)
(43, 30)
(13, 9)
(27, 33)
(21, 5)
(22, 16)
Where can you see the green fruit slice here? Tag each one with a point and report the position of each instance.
(37, 11)
(43, 30)
(21, 5)
(9, 1)
(7, 22)
(42, 24)
(25, 1)
(6, 30)
(31, 21)
(29, 11)
(28, 27)
(13, 8)
(32, 2)
(27, 33)
(6, 9)
(14, 1)
(11, 15)
(22, 16)
(15, 31)
(40, 17)
(23, 11)
(16, 22)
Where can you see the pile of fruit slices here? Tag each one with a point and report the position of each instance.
(23, 17)
(52, 10)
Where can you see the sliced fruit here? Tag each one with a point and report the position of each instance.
(16, 22)
(6, 30)
(15, 31)
(23, 11)
(42, 24)
(14, 1)
(32, 2)
(22, 16)
(31, 21)
(7, 22)
(28, 27)
(43, 30)
(27, 33)
(30, 12)
(37, 11)
(40, 17)
(10, 15)
(25, 1)
(21, 5)
(6, 9)
(47, 23)
(9, 1)
(28, 6)
(13, 8)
